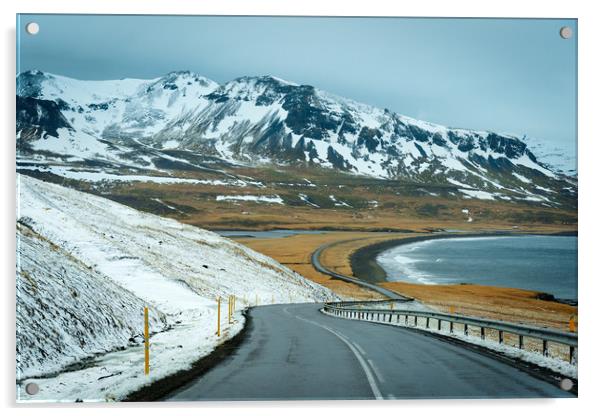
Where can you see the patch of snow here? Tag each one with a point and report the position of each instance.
(339, 203)
(521, 178)
(166, 205)
(309, 183)
(273, 199)
(457, 183)
(170, 144)
(100, 176)
(477, 194)
(305, 199)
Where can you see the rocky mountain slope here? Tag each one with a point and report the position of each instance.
(268, 121)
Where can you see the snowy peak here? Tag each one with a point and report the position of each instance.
(184, 81)
(266, 120)
(56, 87)
(262, 90)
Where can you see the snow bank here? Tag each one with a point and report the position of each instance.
(140, 259)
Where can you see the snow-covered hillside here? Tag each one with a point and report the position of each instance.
(266, 120)
(87, 266)
(67, 311)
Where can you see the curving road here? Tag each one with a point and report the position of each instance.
(296, 352)
(315, 261)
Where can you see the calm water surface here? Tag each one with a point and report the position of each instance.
(543, 263)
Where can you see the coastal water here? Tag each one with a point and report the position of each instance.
(542, 263)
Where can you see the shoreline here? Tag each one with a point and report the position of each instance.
(490, 302)
(364, 265)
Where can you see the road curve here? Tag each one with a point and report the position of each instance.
(315, 261)
(294, 352)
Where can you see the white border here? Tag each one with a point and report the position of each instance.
(590, 162)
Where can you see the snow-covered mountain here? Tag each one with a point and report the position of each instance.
(87, 266)
(266, 120)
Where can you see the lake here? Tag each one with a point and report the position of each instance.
(266, 234)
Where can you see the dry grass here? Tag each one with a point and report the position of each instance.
(295, 252)
(399, 207)
(513, 305)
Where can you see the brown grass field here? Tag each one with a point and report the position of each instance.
(372, 205)
(401, 209)
(514, 305)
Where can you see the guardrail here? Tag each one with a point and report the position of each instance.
(356, 310)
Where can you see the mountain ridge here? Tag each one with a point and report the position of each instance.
(267, 120)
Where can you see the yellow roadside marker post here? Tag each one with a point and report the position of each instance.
(146, 343)
(219, 300)
(572, 324)
(452, 309)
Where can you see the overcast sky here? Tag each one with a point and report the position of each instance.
(507, 75)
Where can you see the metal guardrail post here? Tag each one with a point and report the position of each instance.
(146, 343)
(359, 310)
(545, 351)
(572, 356)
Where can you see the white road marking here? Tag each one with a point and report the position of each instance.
(369, 375)
(375, 369)
(359, 348)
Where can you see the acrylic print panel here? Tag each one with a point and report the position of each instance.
(284, 208)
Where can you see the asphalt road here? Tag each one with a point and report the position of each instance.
(315, 261)
(295, 352)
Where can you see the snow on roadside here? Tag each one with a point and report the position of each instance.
(176, 269)
(560, 366)
(53, 288)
